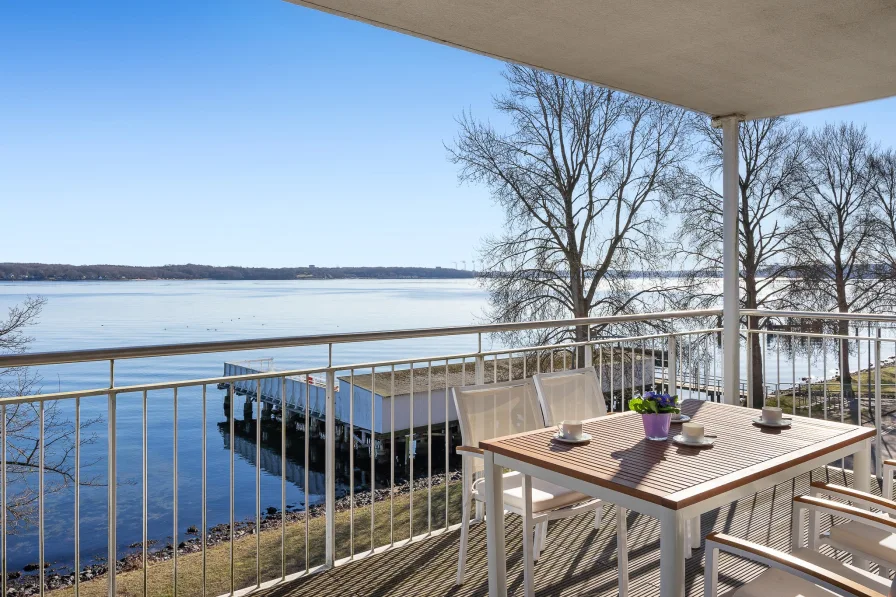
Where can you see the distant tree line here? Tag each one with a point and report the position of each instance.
(42, 271)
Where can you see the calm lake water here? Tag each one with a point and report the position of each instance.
(82, 315)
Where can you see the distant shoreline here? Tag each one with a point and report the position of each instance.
(41, 272)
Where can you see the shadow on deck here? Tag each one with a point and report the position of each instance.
(579, 560)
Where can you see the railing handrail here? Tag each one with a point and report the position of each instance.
(818, 315)
(164, 350)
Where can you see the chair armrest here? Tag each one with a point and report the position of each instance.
(874, 519)
(464, 450)
(786, 562)
(854, 495)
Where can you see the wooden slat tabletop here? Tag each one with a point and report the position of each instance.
(619, 457)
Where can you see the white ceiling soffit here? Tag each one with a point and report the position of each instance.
(758, 58)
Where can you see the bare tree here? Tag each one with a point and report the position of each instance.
(771, 155)
(23, 426)
(837, 227)
(883, 188)
(577, 174)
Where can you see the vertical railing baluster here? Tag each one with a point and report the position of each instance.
(373, 454)
(284, 421)
(480, 362)
(749, 364)
(112, 492)
(307, 466)
(258, 482)
(204, 490)
(429, 447)
(174, 542)
(351, 464)
(330, 464)
(3, 500)
(40, 502)
(463, 379)
(392, 458)
(809, 368)
(778, 368)
(824, 373)
(411, 445)
(858, 376)
(793, 374)
(77, 497)
(232, 442)
(612, 378)
(145, 473)
(878, 447)
(672, 348)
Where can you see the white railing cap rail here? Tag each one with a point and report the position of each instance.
(873, 317)
(164, 350)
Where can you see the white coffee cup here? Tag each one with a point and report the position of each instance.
(676, 416)
(571, 429)
(771, 414)
(692, 432)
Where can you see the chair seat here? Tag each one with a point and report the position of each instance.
(874, 542)
(545, 496)
(777, 583)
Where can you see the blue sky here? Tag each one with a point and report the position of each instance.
(246, 132)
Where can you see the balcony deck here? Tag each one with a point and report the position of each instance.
(579, 560)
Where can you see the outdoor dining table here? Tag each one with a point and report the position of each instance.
(673, 483)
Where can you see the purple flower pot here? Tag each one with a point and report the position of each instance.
(656, 426)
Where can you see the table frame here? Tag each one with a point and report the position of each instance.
(674, 523)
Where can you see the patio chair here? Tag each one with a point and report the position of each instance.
(864, 534)
(570, 395)
(494, 410)
(576, 395)
(803, 573)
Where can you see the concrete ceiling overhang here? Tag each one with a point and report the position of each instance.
(756, 58)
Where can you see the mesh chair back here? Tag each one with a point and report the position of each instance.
(570, 395)
(494, 410)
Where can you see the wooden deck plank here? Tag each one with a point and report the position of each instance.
(579, 559)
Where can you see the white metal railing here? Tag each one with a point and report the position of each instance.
(807, 351)
(675, 351)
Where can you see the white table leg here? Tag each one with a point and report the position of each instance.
(861, 469)
(694, 532)
(528, 538)
(672, 546)
(622, 550)
(494, 527)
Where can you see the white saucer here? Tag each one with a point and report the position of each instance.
(784, 423)
(704, 443)
(682, 419)
(586, 437)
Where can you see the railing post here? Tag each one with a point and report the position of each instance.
(878, 459)
(672, 349)
(330, 467)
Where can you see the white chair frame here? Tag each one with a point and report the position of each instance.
(814, 506)
(813, 573)
(589, 372)
(531, 522)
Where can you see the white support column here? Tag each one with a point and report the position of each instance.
(730, 259)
